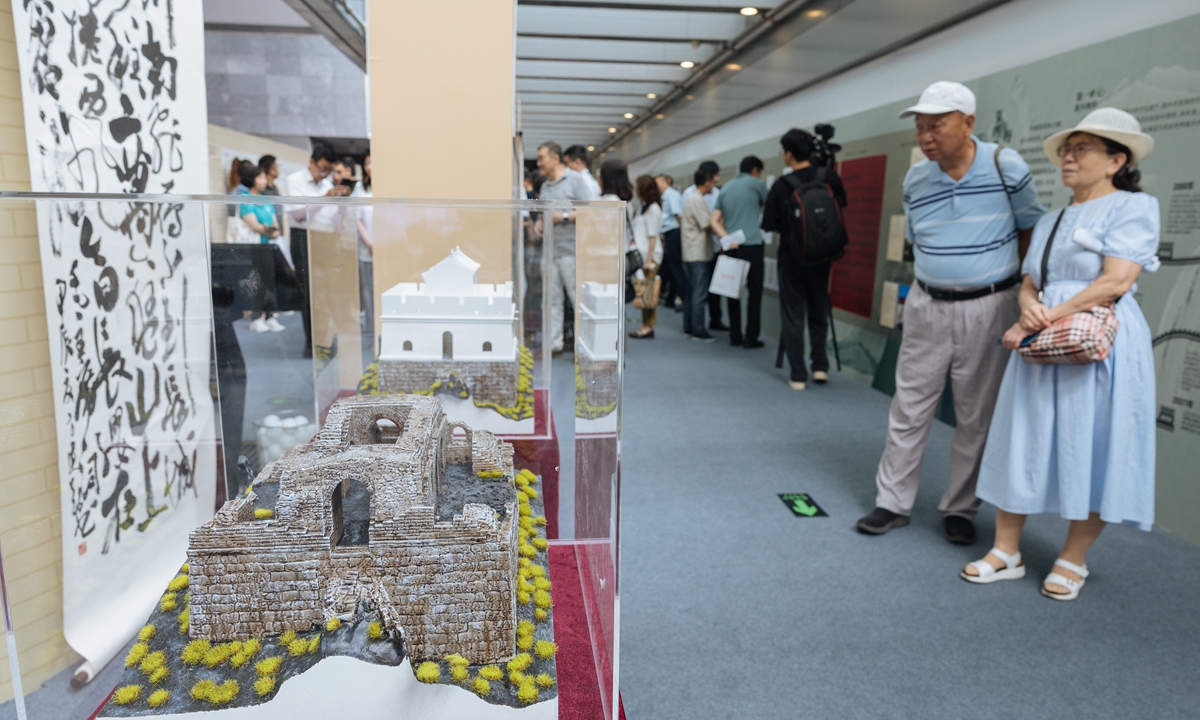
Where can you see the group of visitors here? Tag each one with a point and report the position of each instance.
(996, 273)
(327, 175)
(1066, 425)
(697, 227)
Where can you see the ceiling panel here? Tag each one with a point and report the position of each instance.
(668, 52)
(629, 23)
(604, 71)
(583, 64)
(800, 52)
(625, 88)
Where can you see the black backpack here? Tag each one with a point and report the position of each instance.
(813, 229)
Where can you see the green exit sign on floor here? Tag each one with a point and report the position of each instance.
(802, 505)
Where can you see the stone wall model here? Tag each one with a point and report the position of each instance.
(599, 381)
(446, 587)
(489, 381)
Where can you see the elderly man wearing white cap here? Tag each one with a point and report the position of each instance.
(970, 209)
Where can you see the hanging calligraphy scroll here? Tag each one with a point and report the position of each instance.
(114, 103)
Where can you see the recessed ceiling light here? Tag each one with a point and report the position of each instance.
(815, 13)
(612, 130)
(749, 11)
(687, 64)
(591, 148)
(689, 97)
(651, 95)
(659, 116)
(733, 66)
(628, 116)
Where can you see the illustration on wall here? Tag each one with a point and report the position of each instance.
(114, 103)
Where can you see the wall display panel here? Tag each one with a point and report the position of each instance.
(374, 552)
(1153, 74)
(110, 104)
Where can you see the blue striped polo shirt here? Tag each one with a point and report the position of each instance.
(964, 233)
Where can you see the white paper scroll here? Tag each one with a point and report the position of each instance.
(114, 102)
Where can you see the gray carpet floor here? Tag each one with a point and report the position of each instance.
(733, 607)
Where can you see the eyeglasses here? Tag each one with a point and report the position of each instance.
(1078, 149)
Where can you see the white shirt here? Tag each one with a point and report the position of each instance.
(366, 213)
(590, 180)
(648, 224)
(301, 184)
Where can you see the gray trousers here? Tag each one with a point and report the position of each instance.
(562, 279)
(959, 339)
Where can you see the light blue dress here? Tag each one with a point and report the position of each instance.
(1074, 439)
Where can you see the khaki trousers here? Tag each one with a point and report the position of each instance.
(959, 339)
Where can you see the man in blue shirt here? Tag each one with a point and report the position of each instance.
(674, 277)
(970, 208)
(739, 207)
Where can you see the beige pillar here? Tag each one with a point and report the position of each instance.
(441, 91)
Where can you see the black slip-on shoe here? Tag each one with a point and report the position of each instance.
(959, 530)
(718, 326)
(880, 521)
(752, 344)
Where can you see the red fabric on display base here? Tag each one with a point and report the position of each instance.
(578, 686)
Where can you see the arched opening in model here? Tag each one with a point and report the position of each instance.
(487, 347)
(447, 346)
(351, 507)
(408, 346)
(384, 432)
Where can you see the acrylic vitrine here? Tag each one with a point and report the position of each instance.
(338, 469)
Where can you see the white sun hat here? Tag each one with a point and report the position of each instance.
(1106, 122)
(943, 97)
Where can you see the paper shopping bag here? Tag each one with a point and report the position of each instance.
(729, 277)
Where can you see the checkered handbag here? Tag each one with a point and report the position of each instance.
(1078, 339)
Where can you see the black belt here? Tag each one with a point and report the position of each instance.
(938, 293)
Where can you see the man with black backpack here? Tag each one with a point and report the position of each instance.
(805, 208)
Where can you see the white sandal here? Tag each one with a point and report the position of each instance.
(1059, 579)
(1012, 570)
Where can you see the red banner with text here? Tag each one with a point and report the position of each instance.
(853, 282)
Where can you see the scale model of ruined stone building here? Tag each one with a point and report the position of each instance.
(450, 324)
(355, 520)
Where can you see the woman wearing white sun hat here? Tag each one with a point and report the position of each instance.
(1078, 440)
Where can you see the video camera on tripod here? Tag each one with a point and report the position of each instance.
(824, 153)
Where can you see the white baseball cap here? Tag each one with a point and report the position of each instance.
(943, 97)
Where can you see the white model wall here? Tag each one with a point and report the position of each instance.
(598, 320)
(467, 338)
(1016, 33)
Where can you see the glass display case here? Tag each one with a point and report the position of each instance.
(340, 469)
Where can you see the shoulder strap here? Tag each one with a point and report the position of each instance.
(1003, 184)
(996, 162)
(793, 181)
(1046, 252)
